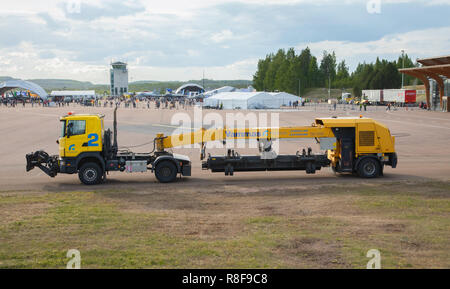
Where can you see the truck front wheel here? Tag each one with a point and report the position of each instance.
(90, 174)
(369, 168)
(166, 172)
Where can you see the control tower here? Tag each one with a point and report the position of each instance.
(119, 78)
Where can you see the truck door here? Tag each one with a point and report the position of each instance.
(75, 137)
(94, 135)
(346, 139)
(62, 139)
(347, 154)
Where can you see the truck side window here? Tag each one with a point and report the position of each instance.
(63, 128)
(77, 127)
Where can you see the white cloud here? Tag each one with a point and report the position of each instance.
(222, 36)
(420, 43)
(24, 62)
(243, 69)
(177, 39)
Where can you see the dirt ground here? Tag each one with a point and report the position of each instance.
(422, 140)
(315, 221)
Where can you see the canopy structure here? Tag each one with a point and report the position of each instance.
(250, 100)
(22, 84)
(190, 89)
(436, 68)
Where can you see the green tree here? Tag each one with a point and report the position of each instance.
(258, 78)
(283, 70)
(328, 67)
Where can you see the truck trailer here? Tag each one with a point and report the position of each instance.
(382, 96)
(357, 145)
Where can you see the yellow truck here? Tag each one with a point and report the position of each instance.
(361, 146)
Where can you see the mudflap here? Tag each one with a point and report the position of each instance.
(48, 164)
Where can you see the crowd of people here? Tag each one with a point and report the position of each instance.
(125, 102)
(167, 102)
(148, 102)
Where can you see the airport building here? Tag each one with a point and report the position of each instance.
(119, 78)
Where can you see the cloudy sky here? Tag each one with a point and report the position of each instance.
(179, 39)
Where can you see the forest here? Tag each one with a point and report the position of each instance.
(290, 72)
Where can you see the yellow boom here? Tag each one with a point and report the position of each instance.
(205, 136)
(370, 135)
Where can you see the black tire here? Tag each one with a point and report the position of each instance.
(90, 174)
(166, 172)
(369, 168)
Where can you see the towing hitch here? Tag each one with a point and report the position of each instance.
(48, 164)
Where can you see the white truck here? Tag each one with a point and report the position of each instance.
(390, 95)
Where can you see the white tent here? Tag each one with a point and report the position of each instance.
(219, 90)
(250, 100)
(285, 98)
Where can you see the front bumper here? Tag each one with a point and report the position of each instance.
(67, 165)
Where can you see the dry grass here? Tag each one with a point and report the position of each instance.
(319, 226)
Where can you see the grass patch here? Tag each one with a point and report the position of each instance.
(333, 228)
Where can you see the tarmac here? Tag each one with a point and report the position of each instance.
(422, 144)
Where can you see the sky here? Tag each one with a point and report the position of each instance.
(181, 40)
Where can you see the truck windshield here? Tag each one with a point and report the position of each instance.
(63, 128)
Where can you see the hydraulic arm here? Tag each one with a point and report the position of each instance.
(223, 134)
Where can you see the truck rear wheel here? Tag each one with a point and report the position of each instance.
(369, 168)
(166, 172)
(90, 174)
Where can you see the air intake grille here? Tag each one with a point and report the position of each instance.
(366, 138)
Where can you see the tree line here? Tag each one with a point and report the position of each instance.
(296, 73)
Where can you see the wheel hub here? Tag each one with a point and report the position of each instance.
(369, 168)
(165, 171)
(90, 175)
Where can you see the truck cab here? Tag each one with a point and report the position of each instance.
(79, 134)
(86, 148)
(81, 137)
